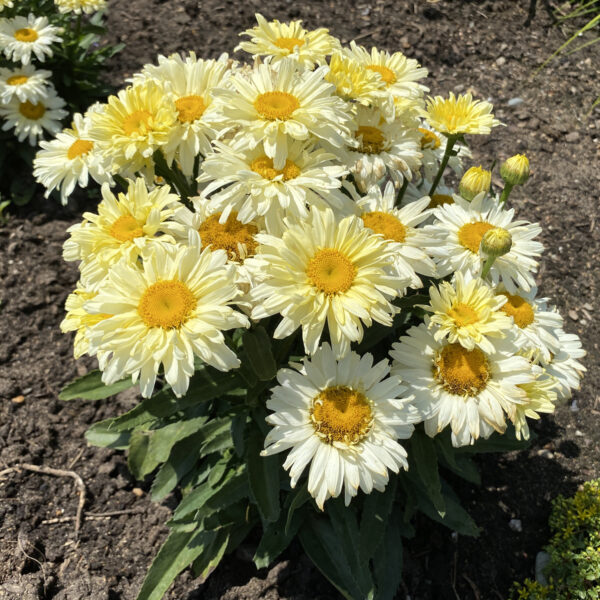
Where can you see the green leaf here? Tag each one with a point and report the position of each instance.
(461, 465)
(90, 387)
(263, 477)
(375, 515)
(238, 427)
(275, 539)
(99, 435)
(210, 558)
(388, 560)
(208, 383)
(180, 550)
(219, 438)
(258, 350)
(299, 498)
(423, 458)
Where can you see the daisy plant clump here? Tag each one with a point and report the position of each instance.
(320, 326)
(50, 63)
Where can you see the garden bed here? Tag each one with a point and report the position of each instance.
(484, 47)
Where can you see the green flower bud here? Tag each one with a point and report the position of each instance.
(496, 242)
(515, 170)
(475, 181)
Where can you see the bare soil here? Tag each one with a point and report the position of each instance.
(478, 46)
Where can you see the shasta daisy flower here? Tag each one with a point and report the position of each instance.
(122, 227)
(68, 160)
(467, 311)
(343, 417)
(280, 40)
(541, 398)
(6, 4)
(470, 390)
(20, 37)
(399, 228)
(461, 227)
(458, 115)
(273, 106)
(30, 119)
(24, 83)
(79, 6)
(244, 179)
(321, 271)
(173, 308)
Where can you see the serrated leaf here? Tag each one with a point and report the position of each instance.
(90, 387)
(263, 478)
(258, 350)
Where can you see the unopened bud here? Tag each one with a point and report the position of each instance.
(515, 170)
(496, 242)
(475, 181)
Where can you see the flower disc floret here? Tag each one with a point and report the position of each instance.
(167, 304)
(460, 371)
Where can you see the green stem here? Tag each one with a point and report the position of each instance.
(401, 192)
(506, 193)
(489, 261)
(447, 154)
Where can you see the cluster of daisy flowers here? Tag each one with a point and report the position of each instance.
(308, 192)
(29, 104)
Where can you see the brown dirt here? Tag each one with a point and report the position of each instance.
(481, 46)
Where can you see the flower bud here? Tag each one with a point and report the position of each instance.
(515, 170)
(475, 181)
(496, 242)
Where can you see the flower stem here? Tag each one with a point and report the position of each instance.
(401, 192)
(489, 261)
(447, 154)
(506, 193)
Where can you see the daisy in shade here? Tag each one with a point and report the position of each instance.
(30, 119)
(399, 228)
(123, 226)
(534, 323)
(469, 312)
(343, 417)
(79, 6)
(380, 147)
(24, 83)
(470, 390)
(280, 40)
(462, 225)
(173, 308)
(541, 398)
(20, 37)
(325, 270)
(274, 106)
(189, 83)
(6, 4)
(245, 180)
(69, 160)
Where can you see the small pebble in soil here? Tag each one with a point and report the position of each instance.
(18, 399)
(136, 491)
(579, 433)
(515, 101)
(574, 407)
(545, 453)
(573, 315)
(516, 525)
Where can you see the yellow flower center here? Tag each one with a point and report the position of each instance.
(371, 139)
(136, 122)
(439, 199)
(470, 234)
(17, 79)
(463, 314)
(263, 165)
(276, 105)
(386, 74)
(460, 371)
(32, 111)
(166, 304)
(386, 224)
(289, 43)
(229, 235)
(341, 414)
(429, 139)
(79, 148)
(519, 309)
(26, 35)
(126, 228)
(330, 271)
(190, 108)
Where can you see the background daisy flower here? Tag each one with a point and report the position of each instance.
(23, 36)
(25, 82)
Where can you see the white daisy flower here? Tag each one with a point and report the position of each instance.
(69, 160)
(30, 119)
(344, 418)
(470, 390)
(321, 271)
(244, 179)
(6, 4)
(189, 82)
(469, 312)
(171, 309)
(541, 398)
(276, 106)
(399, 227)
(462, 225)
(20, 37)
(380, 146)
(281, 40)
(79, 6)
(25, 83)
